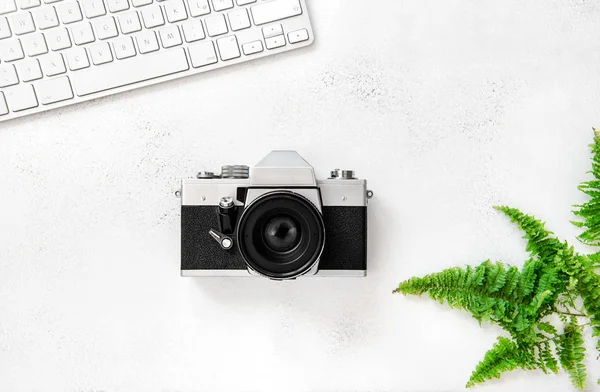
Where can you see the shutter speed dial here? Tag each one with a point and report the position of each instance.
(235, 171)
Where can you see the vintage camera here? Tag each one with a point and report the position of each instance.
(274, 220)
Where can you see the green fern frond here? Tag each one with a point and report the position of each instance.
(505, 356)
(539, 240)
(545, 358)
(571, 352)
(589, 212)
(590, 188)
(491, 292)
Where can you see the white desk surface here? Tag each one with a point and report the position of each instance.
(446, 107)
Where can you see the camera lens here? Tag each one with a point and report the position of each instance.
(281, 235)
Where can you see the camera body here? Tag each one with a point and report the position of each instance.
(274, 220)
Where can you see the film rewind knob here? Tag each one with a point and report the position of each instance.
(343, 174)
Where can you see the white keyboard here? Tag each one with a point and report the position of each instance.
(59, 52)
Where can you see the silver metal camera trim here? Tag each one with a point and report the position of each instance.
(343, 193)
(246, 274)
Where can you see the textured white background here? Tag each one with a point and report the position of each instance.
(447, 107)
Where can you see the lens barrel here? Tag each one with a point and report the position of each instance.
(281, 235)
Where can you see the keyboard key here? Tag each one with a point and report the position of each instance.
(7, 6)
(244, 2)
(133, 70)
(202, 54)
(45, 17)
(152, 16)
(11, 50)
(215, 25)
(192, 30)
(3, 107)
(228, 48)
(139, 3)
(117, 5)
(58, 38)
(146, 42)
(105, 27)
(51, 1)
(124, 48)
(34, 44)
(8, 75)
(129, 22)
(198, 7)
(26, 4)
(21, 97)
(21, 23)
(53, 64)
(275, 42)
(100, 53)
(4, 29)
(272, 30)
(220, 5)
(69, 12)
(54, 90)
(175, 10)
(77, 59)
(238, 19)
(275, 10)
(169, 37)
(298, 36)
(252, 47)
(28, 70)
(93, 8)
(82, 33)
